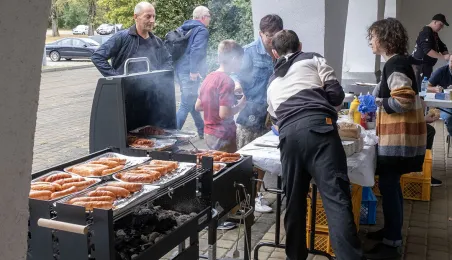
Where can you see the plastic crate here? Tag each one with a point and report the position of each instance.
(321, 221)
(368, 214)
(322, 241)
(415, 188)
(425, 175)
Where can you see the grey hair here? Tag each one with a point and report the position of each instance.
(140, 6)
(200, 12)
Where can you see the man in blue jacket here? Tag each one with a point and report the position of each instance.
(192, 66)
(137, 41)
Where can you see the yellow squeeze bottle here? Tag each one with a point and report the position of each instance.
(354, 114)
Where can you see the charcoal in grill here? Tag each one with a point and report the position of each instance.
(144, 227)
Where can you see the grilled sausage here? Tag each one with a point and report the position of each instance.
(118, 191)
(69, 180)
(79, 185)
(137, 177)
(132, 187)
(58, 176)
(98, 193)
(100, 198)
(40, 194)
(63, 193)
(229, 159)
(110, 164)
(90, 205)
(46, 186)
(112, 170)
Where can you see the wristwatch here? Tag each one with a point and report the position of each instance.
(379, 102)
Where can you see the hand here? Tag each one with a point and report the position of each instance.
(430, 118)
(438, 90)
(450, 87)
(446, 57)
(238, 88)
(242, 102)
(194, 76)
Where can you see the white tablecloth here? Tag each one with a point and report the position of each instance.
(361, 166)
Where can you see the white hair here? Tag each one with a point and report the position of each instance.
(140, 6)
(200, 12)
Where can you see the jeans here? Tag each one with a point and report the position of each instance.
(392, 198)
(311, 148)
(447, 119)
(189, 95)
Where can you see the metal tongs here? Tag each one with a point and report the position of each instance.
(196, 150)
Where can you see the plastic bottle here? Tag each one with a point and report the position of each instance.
(353, 113)
(424, 86)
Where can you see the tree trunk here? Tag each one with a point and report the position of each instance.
(91, 16)
(54, 16)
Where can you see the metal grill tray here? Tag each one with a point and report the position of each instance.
(169, 178)
(175, 134)
(120, 204)
(74, 175)
(131, 161)
(159, 144)
(227, 163)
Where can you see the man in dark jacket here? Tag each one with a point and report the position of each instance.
(191, 67)
(303, 95)
(137, 41)
(429, 48)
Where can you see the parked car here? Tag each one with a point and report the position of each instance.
(71, 48)
(105, 29)
(80, 29)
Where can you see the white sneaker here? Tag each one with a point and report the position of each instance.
(263, 200)
(258, 207)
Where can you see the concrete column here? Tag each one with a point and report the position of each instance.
(358, 57)
(320, 24)
(22, 33)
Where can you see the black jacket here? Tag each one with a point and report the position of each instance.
(124, 45)
(426, 41)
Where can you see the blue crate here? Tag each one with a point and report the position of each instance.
(368, 214)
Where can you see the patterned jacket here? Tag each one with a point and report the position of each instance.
(401, 126)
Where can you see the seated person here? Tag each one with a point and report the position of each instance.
(442, 79)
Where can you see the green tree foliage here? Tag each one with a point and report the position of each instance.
(73, 13)
(231, 19)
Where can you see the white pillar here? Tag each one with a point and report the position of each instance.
(320, 24)
(22, 33)
(358, 56)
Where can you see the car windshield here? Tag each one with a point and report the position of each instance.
(80, 27)
(91, 42)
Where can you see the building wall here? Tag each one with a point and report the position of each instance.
(414, 14)
(22, 32)
(358, 56)
(318, 32)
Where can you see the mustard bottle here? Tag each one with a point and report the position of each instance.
(353, 113)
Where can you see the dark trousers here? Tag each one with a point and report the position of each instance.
(392, 200)
(421, 71)
(311, 148)
(430, 136)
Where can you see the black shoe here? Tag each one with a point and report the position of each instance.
(201, 136)
(436, 182)
(382, 251)
(376, 235)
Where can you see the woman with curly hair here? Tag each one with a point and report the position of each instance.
(401, 129)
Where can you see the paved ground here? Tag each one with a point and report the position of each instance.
(62, 134)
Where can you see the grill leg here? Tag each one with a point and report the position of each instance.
(212, 240)
(276, 244)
